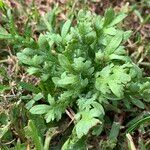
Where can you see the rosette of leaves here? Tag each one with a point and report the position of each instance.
(85, 67)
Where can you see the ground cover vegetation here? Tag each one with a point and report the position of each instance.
(74, 75)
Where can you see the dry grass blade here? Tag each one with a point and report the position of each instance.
(130, 142)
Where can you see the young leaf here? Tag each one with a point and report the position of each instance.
(87, 121)
(64, 62)
(65, 28)
(33, 70)
(56, 38)
(32, 101)
(66, 80)
(110, 31)
(114, 43)
(138, 103)
(55, 112)
(51, 99)
(24, 58)
(126, 35)
(109, 17)
(40, 109)
(112, 78)
(118, 19)
(43, 43)
(117, 89)
(37, 60)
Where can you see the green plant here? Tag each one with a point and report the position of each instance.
(85, 68)
(84, 72)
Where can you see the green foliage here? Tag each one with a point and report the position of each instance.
(29, 87)
(3, 88)
(10, 31)
(87, 66)
(87, 121)
(5, 124)
(74, 142)
(112, 78)
(136, 122)
(31, 131)
(2, 5)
